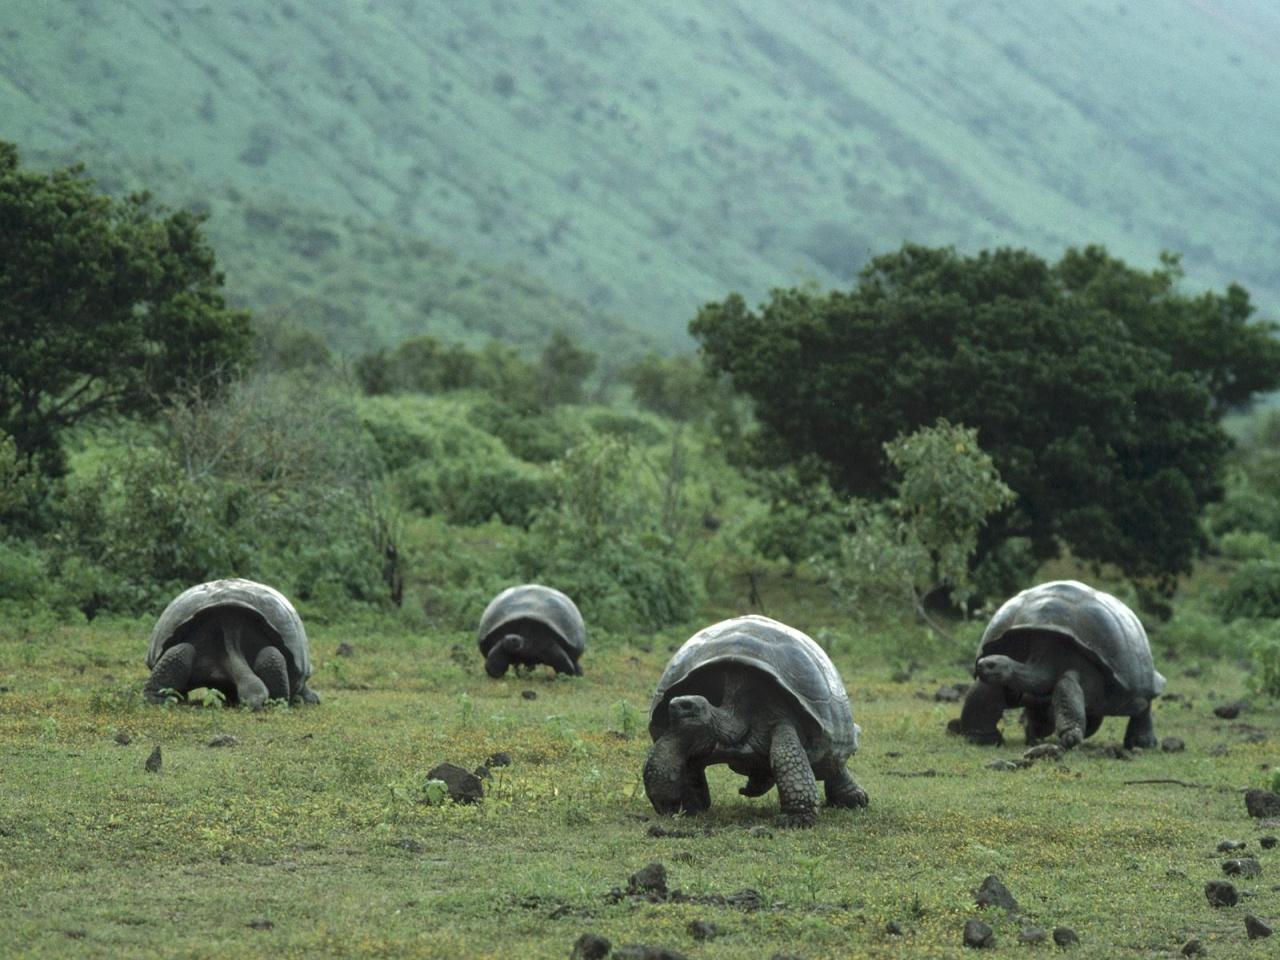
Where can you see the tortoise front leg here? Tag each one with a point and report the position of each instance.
(171, 672)
(984, 706)
(499, 658)
(668, 780)
(841, 789)
(797, 788)
(1140, 732)
(272, 670)
(554, 656)
(1068, 710)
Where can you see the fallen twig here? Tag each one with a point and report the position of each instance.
(1176, 783)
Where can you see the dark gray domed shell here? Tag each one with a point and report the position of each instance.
(269, 604)
(1102, 626)
(532, 601)
(790, 657)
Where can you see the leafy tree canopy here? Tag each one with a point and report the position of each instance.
(1096, 388)
(106, 306)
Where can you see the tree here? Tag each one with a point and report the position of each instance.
(563, 368)
(1091, 385)
(106, 306)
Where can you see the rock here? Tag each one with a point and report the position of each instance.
(643, 951)
(529, 694)
(1173, 745)
(1242, 867)
(223, 740)
(1002, 765)
(893, 928)
(1255, 928)
(260, 923)
(951, 692)
(153, 762)
(978, 935)
(1065, 937)
(761, 831)
(1262, 803)
(123, 738)
(1193, 948)
(1113, 752)
(1044, 751)
(702, 930)
(499, 759)
(1032, 935)
(483, 772)
(345, 650)
(1226, 846)
(1267, 842)
(75, 934)
(993, 893)
(1220, 893)
(953, 726)
(590, 946)
(1219, 750)
(463, 786)
(649, 879)
(1229, 711)
(657, 830)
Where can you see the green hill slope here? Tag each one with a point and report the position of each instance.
(642, 158)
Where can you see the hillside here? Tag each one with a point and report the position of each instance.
(642, 158)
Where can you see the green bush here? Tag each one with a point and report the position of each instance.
(532, 436)
(1264, 655)
(1252, 592)
(469, 491)
(1244, 545)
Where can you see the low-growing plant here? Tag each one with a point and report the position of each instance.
(1253, 591)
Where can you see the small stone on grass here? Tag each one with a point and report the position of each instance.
(1032, 935)
(1262, 803)
(993, 893)
(1255, 928)
(590, 946)
(223, 740)
(1065, 937)
(702, 930)
(978, 935)
(649, 879)
(1242, 867)
(154, 761)
(1220, 893)
(1193, 948)
(1173, 745)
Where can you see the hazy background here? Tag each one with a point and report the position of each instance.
(494, 168)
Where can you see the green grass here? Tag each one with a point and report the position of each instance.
(313, 821)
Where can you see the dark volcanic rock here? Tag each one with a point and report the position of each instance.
(1267, 842)
(978, 935)
(649, 879)
(1065, 937)
(1044, 751)
(1193, 948)
(1255, 928)
(893, 928)
(993, 893)
(702, 930)
(643, 951)
(499, 759)
(1226, 846)
(1173, 745)
(590, 946)
(260, 923)
(1229, 711)
(529, 694)
(1032, 935)
(1220, 893)
(123, 738)
(223, 740)
(1262, 803)
(463, 786)
(153, 762)
(345, 650)
(1242, 867)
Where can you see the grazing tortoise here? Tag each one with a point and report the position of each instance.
(763, 698)
(236, 636)
(532, 624)
(1070, 655)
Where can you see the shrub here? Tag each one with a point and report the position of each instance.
(1252, 592)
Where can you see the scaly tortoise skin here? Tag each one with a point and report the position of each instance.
(1070, 655)
(240, 637)
(528, 625)
(765, 699)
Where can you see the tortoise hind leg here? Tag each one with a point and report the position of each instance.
(558, 659)
(797, 788)
(1141, 732)
(171, 672)
(984, 705)
(273, 671)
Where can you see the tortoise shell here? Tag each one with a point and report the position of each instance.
(792, 659)
(271, 607)
(1100, 625)
(532, 601)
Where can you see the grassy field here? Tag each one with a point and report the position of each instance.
(309, 835)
